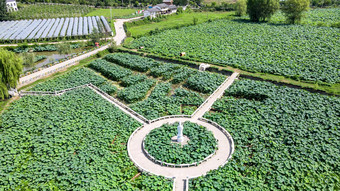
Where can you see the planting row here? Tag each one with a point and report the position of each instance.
(166, 98)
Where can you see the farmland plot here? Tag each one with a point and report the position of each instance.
(299, 52)
(160, 89)
(286, 139)
(76, 141)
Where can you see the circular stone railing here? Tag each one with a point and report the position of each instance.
(143, 168)
(172, 164)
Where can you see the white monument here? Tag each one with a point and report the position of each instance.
(180, 137)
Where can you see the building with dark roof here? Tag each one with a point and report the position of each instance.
(159, 9)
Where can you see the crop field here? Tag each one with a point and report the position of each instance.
(286, 139)
(159, 145)
(299, 52)
(116, 13)
(52, 28)
(76, 141)
(43, 11)
(149, 87)
(172, 21)
(326, 16)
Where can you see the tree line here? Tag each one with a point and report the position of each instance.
(262, 10)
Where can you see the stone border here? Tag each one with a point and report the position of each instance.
(181, 116)
(149, 156)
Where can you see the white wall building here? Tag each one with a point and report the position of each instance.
(11, 5)
(160, 9)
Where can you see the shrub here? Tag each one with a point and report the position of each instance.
(293, 10)
(260, 10)
(241, 7)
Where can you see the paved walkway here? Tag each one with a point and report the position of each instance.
(120, 32)
(181, 176)
(222, 155)
(100, 92)
(53, 69)
(214, 96)
(119, 38)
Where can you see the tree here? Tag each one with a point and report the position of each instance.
(241, 7)
(64, 48)
(95, 36)
(260, 10)
(28, 58)
(10, 70)
(3, 10)
(293, 10)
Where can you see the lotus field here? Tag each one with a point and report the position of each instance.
(322, 17)
(159, 145)
(300, 52)
(52, 28)
(155, 92)
(76, 141)
(286, 139)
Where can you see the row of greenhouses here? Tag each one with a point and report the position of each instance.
(53, 28)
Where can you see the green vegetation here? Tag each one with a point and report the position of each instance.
(285, 138)
(43, 11)
(10, 70)
(3, 10)
(116, 13)
(141, 28)
(136, 92)
(71, 79)
(261, 10)
(161, 102)
(298, 52)
(315, 17)
(110, 70)
(241, 7)
(133, 79)
(293, 10)
(133, 62)
(201, 144)
(205, 82)
(108, 87)
(75, 141)
(42, 48)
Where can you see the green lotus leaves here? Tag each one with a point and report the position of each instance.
(202, 143)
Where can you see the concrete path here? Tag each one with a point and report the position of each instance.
(100, 92)
(214, 96)
(53, 69)
(223, 153)
(120, 32)
(119, 38)
(120, 105)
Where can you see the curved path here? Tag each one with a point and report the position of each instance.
(221, 157)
